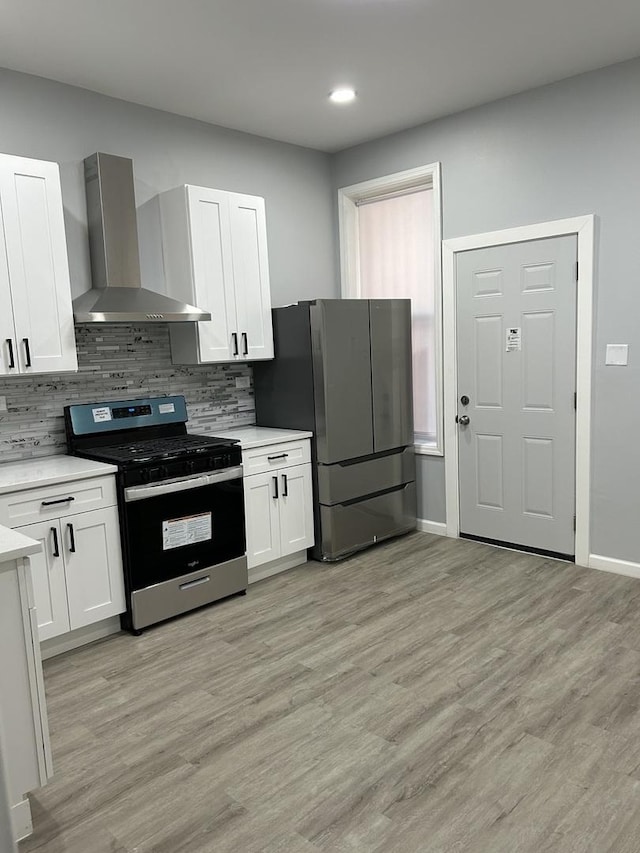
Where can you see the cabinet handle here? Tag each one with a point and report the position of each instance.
(285, 486)
(278, 456)
(234, 337)
(12, 361)
(27, 351)
(275, 483)
(56, 547)
(245, 344)
(58, 501)
(72, 539)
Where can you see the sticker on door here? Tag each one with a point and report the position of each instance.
(178, 532)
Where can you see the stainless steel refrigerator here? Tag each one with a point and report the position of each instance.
(342, 370)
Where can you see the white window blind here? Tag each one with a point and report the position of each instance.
(396, 259)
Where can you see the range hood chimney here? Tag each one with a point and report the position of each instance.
(117, 295)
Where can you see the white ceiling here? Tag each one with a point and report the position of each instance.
(266, 66)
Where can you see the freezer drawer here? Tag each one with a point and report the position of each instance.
(350, 527)
(345, 481)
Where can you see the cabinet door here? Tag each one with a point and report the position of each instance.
(296, 509)
(213, 272)
(7, 329)
(38, 267)
(262, 518)
(49, 583)
(93, 560)
(251, 276)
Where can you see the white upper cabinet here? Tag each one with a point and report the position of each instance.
(215, 257)
(36, 317)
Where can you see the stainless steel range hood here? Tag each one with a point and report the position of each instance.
(117, 295)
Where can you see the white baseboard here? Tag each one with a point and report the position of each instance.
(79, 637)
(617, 567)
(437, 527)
(21, 822)
(259, 573)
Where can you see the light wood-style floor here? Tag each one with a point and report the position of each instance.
(429, 695)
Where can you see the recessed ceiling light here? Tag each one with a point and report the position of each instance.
(343, 95)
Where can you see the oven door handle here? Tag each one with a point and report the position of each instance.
(140, 493)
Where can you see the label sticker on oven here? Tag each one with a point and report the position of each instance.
(178, 532)
(166, 408)
(102, 414)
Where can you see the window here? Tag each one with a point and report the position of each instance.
(390, 247)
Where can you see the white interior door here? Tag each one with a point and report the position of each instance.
(262, 513)
(49, 583)
(93, 559)
(213, 272)
(38, 267)
(516, 333)
(251, 276)
(296, 510)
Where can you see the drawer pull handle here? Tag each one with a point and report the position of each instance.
(72, 539)
(245, 344)
(275, 483)
(58, 501)
(12, 361)
(56, 547)
(234, 338)
(195, 582)
(278, 456)
(27, 352)
(285, 486)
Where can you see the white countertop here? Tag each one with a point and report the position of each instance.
(49, 471)
(14, 545)
(257, 436)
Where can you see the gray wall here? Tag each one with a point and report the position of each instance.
(52, 121)
(564, 150)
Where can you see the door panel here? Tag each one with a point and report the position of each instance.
(488, 361)
(38, 267)
(296, 510)
(251, 276)
(263, 519)
(49, 583)
(391, 382)
(538, 360)
(516, 322)
(537, 476)
(490, 471)
(95, 583)
(7, 329)
(342, 378)
(212, 271)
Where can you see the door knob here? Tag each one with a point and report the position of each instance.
(463, 420)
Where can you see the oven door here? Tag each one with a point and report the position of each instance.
(181, 526)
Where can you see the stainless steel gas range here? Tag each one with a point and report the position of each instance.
(180, 499)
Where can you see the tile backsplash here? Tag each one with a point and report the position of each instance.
(118, 362)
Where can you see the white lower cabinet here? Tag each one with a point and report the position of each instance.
(77, 577)
(279, 514)
(296, 509)
(23, 711)
(49, 583)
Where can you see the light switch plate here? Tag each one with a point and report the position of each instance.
(617, 354)
(243, 382)
(3, 404)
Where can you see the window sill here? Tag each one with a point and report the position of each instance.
(424, 448)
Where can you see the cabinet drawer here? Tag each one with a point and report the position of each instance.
(257, 460)
(40, 504)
